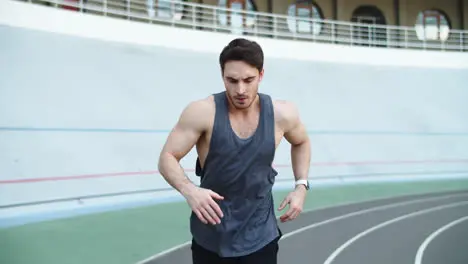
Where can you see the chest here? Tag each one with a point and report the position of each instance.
(244, 127)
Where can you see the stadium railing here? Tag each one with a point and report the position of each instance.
(218, 19)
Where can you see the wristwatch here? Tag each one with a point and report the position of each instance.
(303, 182)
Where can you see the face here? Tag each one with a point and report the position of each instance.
(241, 81)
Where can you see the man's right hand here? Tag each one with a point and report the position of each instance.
(202, 202)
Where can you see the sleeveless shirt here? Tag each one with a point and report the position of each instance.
(241, 171)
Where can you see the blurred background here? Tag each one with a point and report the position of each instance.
(89, 90)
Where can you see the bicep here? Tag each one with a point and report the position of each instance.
(180, 141)
(297, 134)
(295, 131)
(185, 134)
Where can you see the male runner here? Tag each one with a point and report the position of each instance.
(236, 133)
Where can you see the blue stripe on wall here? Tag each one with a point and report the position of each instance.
(105, 130)
(159, 131)
(386, 133)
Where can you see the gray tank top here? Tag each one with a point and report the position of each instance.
(241, 171)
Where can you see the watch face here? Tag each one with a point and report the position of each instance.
(306, 184)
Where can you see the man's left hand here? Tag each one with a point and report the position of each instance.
(295, 199)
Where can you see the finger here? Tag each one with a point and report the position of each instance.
(207, 215)
(285, 219)
(286, 215)
(216, 196)
(217, 209)
(283, 204)
(288, 218)
(294, 215)
(296, 211)
(212, 213)
(200, 216)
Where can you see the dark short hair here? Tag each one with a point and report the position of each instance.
(241, 49)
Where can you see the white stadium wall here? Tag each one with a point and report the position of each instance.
(86, 103)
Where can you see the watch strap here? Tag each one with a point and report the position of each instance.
(304, 182)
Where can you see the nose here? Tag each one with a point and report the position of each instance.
(241, 88)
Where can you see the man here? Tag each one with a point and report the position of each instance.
(236, 133)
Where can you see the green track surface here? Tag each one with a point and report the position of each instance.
(130, 235)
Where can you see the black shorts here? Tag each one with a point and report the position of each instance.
(267, 255)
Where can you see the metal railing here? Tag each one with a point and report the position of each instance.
(218, 19)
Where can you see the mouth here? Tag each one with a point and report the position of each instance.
(241, 99)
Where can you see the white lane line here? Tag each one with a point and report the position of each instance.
(297, 231)
(165, 252)
(430, 238)
(368, 210)
(394, 220)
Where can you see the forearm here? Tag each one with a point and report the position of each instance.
(300, 156)
(174, 174)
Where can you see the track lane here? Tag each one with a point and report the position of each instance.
(318, 244)
(314, 244)
(448, 244)
(397, 240)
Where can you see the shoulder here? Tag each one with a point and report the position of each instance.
(286, 114)
(200, 106)
(198, 113)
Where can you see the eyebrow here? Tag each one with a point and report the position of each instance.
(236, 79)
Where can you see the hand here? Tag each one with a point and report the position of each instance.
(202, 202)
(295, 199)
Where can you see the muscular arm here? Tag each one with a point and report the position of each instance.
(296, 134)
(186, 133)
(180, 141)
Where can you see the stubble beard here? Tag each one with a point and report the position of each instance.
(245, 105)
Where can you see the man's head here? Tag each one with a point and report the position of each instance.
(241, 64)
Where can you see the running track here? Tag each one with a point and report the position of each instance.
(419, 229)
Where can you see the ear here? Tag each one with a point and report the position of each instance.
(260, 75)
